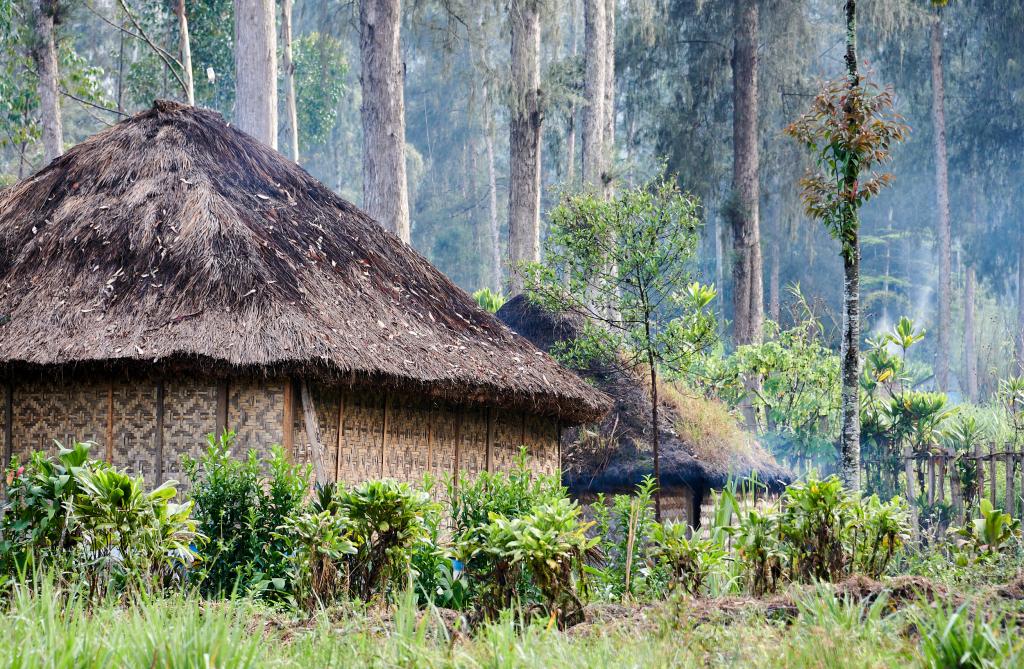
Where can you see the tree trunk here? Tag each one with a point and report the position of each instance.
(655, 440)
(45, 55)
(524, 141)
(256, 70)
(289, 79)
(570, 138)
(186, 56)
(970, 354)
(774, 306)
(748, 291)
(1019, 348)
(608, 128)
(942, 207)
(385, 190)
(595, 43)
(493, 229)
(849, 354)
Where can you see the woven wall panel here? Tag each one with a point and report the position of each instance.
(256, 414)
(48, 410)
(3, 425)
(190, 413)
(405, 456)
(326, 401)
(507, 431)
(361, 443)
(473, 442)
(135, 428)
(542, 443)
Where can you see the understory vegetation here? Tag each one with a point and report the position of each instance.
(258, 568)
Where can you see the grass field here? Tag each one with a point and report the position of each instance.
(854, 624)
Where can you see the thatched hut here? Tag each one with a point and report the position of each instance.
(702, 447)
(172, 277)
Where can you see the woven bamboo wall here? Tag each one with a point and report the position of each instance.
(390, 435)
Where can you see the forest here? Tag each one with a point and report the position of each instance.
(728, 296)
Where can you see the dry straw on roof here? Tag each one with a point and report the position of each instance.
(174, 237)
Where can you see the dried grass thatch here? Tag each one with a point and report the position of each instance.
(701, 444)
(174, 239)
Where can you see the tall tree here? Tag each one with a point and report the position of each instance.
(941, 204)
(748, 290)
(186, 52)
(849, 129)
(595, 45)
(44, 53)
(385, 189)
(289, 79)
(256, 70)
(524, 140)
(608, 127)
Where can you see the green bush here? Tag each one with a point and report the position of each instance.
(387, 521)
(550, 543)
(92, 522)
(952, 639)
(318, 543)
(624, 527)
(689, 560)
(240, 509)
(985, 536)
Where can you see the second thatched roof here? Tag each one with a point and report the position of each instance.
(173, 237)
(701, 445)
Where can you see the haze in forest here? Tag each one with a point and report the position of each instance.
(699, 89)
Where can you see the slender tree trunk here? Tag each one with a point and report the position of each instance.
(524, 140)
(774, 306)
(493, 229)
(942, 207)
(748, 291)
(655, 437)
(186, 55)
(849, 446)
(256, 70)
(595, 43)
(289, 79)
(608, 128)
(570, 134)
(385, 189)
(970, 353)
(45, 55)
(1019, 348)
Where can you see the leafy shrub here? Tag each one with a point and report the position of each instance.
(94, 522)
(952, 639)
(815, 519)
(624, 528)
(879, 530)
(387, 520)
(758, 546)
(690, 560)
(318, 542)
(986, 535)
(552, 545)
(240, 509)
(488, 300)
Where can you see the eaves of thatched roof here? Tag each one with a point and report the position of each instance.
(615, 455)
(173, 237)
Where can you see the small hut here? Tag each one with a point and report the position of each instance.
(702, 447)
(172, 277)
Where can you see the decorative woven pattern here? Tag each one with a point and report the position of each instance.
(473, 442)
(542, 442)
(507, 431)
(405, 458)
(190, 413)
(135, 428)
(256, 414)
(326, 402)
(4, 447)
(48, 410)
(361, 445)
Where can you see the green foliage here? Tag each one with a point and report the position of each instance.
(624, 264)
(758, 546)
(240, 509)
(689, 560)
(625, 528)
(318, 543)
(387, 520)
(95, 523)
(488, 300)
(987, 534)
(551, 543)
(815, 519)
(953, 639)
(880, 530)
(320, 72)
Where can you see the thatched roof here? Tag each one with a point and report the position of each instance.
(173, 237)
(615, 455)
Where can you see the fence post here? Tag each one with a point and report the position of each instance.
(992, 472)
(931, 479)
(941, 457)
(1011, 500)
(909, 469)
(979, 468)
(955, 492)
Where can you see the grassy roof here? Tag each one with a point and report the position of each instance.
(172, 236)
(702, 445)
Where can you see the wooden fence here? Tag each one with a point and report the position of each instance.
(956, 483)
